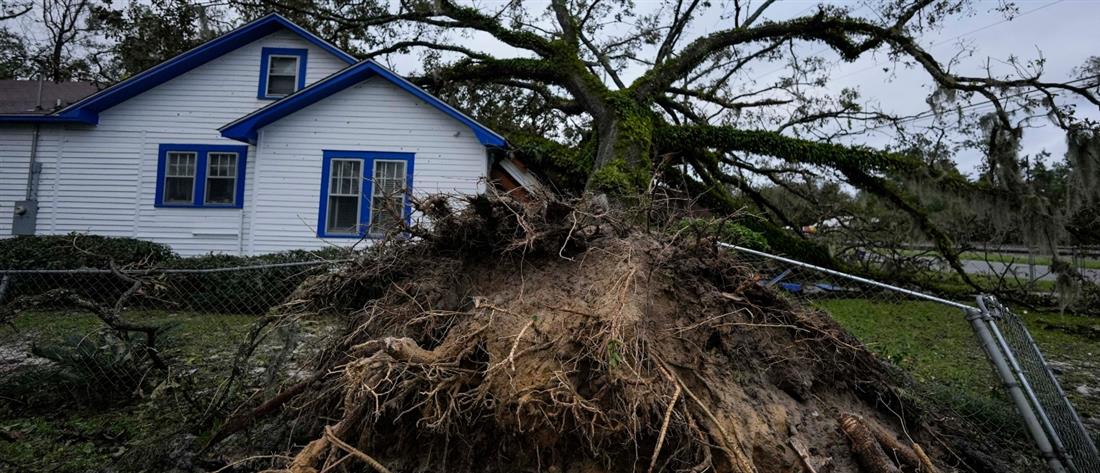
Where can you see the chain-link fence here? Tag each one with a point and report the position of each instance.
(1029, 391)
(1068, 436)
(233, 290)
(132, 341)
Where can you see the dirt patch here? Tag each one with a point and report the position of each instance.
(536, 336)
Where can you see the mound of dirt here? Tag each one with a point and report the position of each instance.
(535, 336)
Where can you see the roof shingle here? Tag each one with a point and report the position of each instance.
(21, 96)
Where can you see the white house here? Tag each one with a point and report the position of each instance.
(264, 139)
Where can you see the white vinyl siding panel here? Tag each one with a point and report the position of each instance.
(102, 179)
(371, 116)
(15, 152)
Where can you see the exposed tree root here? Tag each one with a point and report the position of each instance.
(504, 341)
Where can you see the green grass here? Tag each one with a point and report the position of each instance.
(934, 344)
(59, 433)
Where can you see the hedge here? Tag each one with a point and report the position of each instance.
(75, 251)
(247, 291)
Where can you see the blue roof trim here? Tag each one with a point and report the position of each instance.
(246, 128)
(78, 118)
(89, 108)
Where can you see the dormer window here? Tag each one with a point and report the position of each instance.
(282, 72)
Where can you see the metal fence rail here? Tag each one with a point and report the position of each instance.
(1040, 402)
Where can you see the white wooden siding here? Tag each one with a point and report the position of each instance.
(15, 152)
(102, 179)
(374, 115)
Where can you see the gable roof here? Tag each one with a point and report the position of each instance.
(245, 128)
(87, 110)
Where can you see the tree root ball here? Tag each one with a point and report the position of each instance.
(534, 336)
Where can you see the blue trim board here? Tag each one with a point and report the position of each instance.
(87, 110)
(265, 65)
(201, 152)
(365, 190)
(245, 128)
(48, 119)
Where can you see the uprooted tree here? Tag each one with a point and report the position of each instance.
(640, 98)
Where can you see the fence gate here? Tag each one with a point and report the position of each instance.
(1042, 405)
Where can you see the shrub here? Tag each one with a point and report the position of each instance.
(75, 250)
(248, 291)
(726, 231)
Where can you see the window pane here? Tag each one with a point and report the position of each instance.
(343, 214)
(386, 213)
(389, 178)
(179, 177)
(388, 199)
(280, 85)
(284, 66)
(220, 190)
(181, 164)
(222, 164)
(345, 177)
(179, 189)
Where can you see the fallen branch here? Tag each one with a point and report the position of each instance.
(243, 421)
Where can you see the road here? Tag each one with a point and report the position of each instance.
(1022, 271)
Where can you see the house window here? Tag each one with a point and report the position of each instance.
(179, 178)
(387, 196)
(282, 72)
(221, 178)
(344, 196)
(200, 175)
(364, 193)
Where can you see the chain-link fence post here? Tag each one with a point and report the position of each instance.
(978, 319)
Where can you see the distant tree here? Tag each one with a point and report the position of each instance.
(15, 60)
(146, 33)
(65, 22)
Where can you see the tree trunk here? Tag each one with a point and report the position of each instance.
(623, 166)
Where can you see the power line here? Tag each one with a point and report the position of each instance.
(930, 113)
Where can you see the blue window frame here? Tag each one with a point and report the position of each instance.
(282, 72)
(201, 176)
(357, 187)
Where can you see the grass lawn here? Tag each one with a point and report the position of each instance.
(935, 345)
(54, 430)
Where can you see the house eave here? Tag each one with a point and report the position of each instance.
(245, 128)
